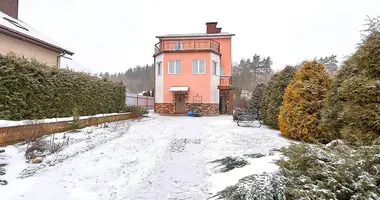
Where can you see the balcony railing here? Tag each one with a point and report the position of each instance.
(225, 82)
(187, 45)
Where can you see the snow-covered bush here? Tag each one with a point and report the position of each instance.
(334, 171)
(230, 163)
(274, 96)
(32, 90)
(299, 115)
(255, 187)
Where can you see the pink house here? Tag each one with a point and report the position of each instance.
(194, 70)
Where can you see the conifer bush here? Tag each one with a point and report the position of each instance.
(352, 110)
(265, 99)
(299, 115)
(274, 95)
(32, 90)
(254, 102)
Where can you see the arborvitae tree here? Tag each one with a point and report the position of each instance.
(361, 108)
(254, 102)
(332, 120)
(265, 99)
(303, 99)
(275, 95)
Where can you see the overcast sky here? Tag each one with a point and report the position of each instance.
(120, 34)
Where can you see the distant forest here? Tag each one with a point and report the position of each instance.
(246, 74)
(135, 79)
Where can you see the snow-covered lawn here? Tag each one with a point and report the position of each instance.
(160, 157)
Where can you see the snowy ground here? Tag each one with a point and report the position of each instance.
(159, 157)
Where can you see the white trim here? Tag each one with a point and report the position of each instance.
(198, 61)
(175, 66)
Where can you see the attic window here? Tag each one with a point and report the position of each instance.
(15, 23)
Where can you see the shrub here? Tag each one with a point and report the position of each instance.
(264, 100)
(353, 107)
(299, 115)
(331, 172)
(332, 120)
(274, 95)
(254, 102)
(32, 90)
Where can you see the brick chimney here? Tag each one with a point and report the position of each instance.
(211, 27)
(9, 7)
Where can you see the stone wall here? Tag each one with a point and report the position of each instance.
(14, 134)
(205, 108)
(164, 108)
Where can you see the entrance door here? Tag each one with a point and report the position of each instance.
(222, 105)
(180, 103)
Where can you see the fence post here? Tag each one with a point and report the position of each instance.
(137, 99)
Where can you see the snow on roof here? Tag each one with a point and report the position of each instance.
(196, 35)
(25, 30)
(179, 89)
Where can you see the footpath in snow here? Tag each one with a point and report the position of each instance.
(160, 157)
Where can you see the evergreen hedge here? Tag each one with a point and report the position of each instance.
(361, 94)
(299, 116)
(254, 102)
(265, 99)
(32, 90)
(274, 96)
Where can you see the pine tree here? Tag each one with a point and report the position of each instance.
(299, 115)
(265, 99)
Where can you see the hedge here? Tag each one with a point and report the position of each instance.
(274, 96)
(299, 116)
(254, 102)
(32, 90)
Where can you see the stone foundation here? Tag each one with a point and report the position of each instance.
(205, 108)
(164, 108)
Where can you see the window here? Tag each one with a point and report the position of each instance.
(221, 71)
(178, 45)
(199, 67)
(159, 68)
(214, 68)
(174, 66)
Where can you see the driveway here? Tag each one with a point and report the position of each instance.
(160, 157)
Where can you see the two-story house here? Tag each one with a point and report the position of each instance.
(194, 70)
(20, 38)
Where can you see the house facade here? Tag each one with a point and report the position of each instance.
(20, 38)
(194, 70)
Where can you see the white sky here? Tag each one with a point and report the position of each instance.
(120, 34)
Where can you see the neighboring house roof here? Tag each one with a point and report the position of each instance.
(224, 34)
(20, 30)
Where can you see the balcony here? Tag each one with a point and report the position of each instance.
(187, 46)
(225, 83)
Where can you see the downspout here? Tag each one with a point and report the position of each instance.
(154, 83)
(63, 56)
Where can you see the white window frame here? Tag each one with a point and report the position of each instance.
(178, 44)
(175, 66)
(198, 61)
(214, 71)
(159, 68)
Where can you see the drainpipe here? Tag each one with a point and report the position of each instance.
(154, 83)
(63, 56)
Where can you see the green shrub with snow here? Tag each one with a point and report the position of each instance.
(32, 90)
(334, 171)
